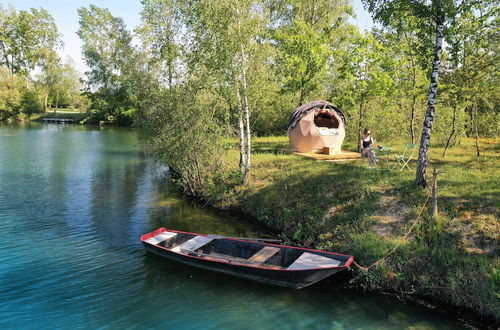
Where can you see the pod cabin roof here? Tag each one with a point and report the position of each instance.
(301, 111)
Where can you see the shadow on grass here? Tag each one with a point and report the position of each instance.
(304, 198)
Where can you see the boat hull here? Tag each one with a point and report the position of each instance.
(293, 279)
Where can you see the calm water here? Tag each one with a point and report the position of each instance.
(73, 203)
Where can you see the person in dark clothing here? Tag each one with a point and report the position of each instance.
(365, 143)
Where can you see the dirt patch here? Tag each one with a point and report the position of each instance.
(389, 216)
(330, 213)
(480, 232)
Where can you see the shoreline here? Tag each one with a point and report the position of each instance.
(305, 208)
(466, 316)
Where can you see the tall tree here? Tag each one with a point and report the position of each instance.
(473, 66)
(159, 29)
(68, 88)
(25, 37)
(303, 32)
(437, 12)
(108, 52)
(106, 46)
(223, 49)
(51, 68)
(361, 72)
(406, 39)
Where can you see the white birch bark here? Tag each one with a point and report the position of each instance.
(246, 117)
(423, 154)
(246, 114)
(241, 133)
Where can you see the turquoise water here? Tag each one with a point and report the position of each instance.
(73, 203)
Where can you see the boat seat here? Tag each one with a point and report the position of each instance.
(309, 260)
(160, 237)
(263, 255)
(193, 244)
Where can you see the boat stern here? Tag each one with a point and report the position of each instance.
(153, 233)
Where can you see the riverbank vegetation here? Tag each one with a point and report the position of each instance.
(195, 75)
(348, 208)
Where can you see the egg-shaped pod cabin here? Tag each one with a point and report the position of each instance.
(316, 125)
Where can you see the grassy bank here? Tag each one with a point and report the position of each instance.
(61, 113)
(348, 208)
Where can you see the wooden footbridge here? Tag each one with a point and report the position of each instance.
(58, 120)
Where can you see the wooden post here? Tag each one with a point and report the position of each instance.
(434, 194)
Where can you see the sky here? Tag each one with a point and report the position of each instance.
(66, 18)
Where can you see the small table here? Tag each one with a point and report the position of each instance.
(384, 152)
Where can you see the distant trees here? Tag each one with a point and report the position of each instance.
(158, 32)
(111, 58)
(28, 43)
(25, 37)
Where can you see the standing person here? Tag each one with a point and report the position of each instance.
(365, 143)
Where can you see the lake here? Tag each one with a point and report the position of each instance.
(74, 201)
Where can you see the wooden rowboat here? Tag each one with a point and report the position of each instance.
(269, 263)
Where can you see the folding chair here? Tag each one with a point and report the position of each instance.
(404, 159)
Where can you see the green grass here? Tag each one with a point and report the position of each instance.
(63, 110)
(333, 206)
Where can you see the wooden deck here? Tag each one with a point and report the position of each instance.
(344, 155)
(58, 120)
(263, 255)
(311, 261)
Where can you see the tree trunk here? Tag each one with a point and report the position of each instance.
(470, 129)
(170, 74)
(476, 133)
(246, 114)
(302, 95)
(360, 121)
(413, 101)
(452, 130)
(412, 120)
(57, 100)
(421, 179)
(246, 117)
(241, 133)
(46, 100)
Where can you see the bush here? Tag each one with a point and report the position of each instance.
(30, 103)
(189, 139)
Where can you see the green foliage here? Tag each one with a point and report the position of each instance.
(188, 137)
(30, 103)
(16, 96)
(305, 36)
(28, 43)
(158, 31)
(25, 36)
(115, 66)
(302, 56)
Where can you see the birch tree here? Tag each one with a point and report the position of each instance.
(437, 13)
(304, 32)
(224, 48)
(159, 29)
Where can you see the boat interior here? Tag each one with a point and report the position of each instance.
(246, 253)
